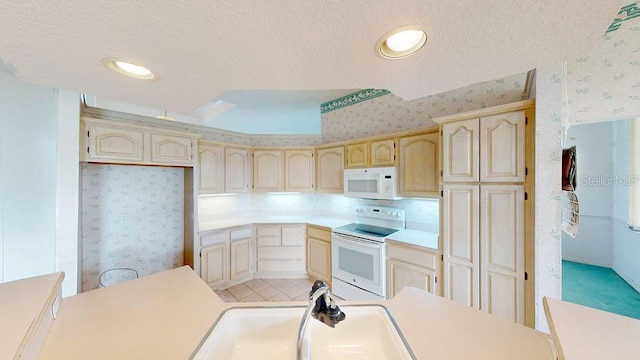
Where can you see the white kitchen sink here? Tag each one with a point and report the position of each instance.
(265, 333)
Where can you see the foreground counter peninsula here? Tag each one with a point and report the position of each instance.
(166, 315)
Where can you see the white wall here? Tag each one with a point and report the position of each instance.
(28, 134)
(626, 243)
(594, 240)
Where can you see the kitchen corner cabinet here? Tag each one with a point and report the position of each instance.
(280, 251)
(111, 142)
(299, 168)
(412, 266)
(226, 256)
(237, 168)
(211, 168)
(486, 149)
(268, 170)
(418, 170)
(329, 169)
(319, 253)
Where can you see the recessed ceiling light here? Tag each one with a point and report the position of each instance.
(402, 42)
(129, 69)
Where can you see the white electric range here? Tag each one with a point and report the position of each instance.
(358, 252)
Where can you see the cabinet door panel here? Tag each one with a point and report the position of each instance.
(240, 258)
(237, 173)
(171, 150)
(267, 170)
(214, 265)
(357, 155)
(115, 144)
(460, 145)
(211, 167)
(299, 168)
(319, 259)
(401, 275)
(383, 152)
(461, 244)
(502, 147)
(502, 246)
(419, 165)
(329, 170)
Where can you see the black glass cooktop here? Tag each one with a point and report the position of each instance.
(364, 229)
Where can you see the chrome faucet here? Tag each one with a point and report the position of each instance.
(321, 307)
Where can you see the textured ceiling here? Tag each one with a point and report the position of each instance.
(200, 49)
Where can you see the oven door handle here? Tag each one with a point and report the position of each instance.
(365, 243)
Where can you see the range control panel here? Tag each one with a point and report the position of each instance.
(379, 212)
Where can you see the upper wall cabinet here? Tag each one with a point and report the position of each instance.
(371, 153)
(112, 142)
(237, 170)
(283, 170)
(267, 170)
(419, 174)
(329, 169)
(299, 167)
(485, 149)
(211, 168)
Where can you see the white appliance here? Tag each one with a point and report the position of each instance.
(371, 183)
(358, 253)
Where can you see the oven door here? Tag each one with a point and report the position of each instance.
(358, 262)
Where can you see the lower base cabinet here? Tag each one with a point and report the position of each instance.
(226, 257)
(319, 253)
(280, 251)
(412, 266)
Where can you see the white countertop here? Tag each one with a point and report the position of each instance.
(583, 333)
(164, 316)
(415, 237)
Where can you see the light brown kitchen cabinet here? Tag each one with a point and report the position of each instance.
(280, 251)
(237, 170)
(483, 210)
(211, 168)
(329, 169)
(226, 256)
(299, 168)
(412, 266)
(486, 149)
(418, 165)
(319, 253)
(214, 264)
(383, 152)
(114, 144)
(357, 155)
(268, 170)
(171, 150)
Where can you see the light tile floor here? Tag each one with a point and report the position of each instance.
(258, 290)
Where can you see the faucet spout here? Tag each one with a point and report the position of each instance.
(322, 307)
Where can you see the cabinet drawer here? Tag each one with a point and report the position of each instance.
(280, 265)
(268, 231)
(293, 236)
(413, 256)
(289, 253)
(216, 238)
(238, 234)
(319, 234)
(268, 241)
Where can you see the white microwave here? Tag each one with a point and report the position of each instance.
(371, 183)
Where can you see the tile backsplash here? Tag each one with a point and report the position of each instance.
(132, 217)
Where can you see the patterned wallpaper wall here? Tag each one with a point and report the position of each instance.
(389, 113)
(132, 216)
(550, 112)
(605, 85)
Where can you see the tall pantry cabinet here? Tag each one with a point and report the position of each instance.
(484, 191)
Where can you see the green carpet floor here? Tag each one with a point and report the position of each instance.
(600, 288)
